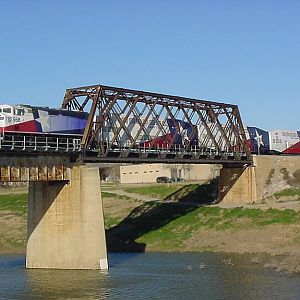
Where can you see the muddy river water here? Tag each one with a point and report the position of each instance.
(150, 276)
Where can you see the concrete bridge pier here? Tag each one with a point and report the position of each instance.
(237, 185)
(65, 223)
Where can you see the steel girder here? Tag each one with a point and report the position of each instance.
(128, 125)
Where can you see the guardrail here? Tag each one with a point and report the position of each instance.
(42, 144)
(39, 143)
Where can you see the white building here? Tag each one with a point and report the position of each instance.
(147, 173)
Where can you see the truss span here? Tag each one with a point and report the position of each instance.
(135, 126)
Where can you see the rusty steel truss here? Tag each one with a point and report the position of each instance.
(135, 126)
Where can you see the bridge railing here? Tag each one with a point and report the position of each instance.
(40, 143)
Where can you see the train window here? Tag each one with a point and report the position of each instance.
(0, 110)
(19, 111)
(7, 110)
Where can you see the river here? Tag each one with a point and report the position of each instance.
(150, 276)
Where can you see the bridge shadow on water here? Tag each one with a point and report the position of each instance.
(153, 215)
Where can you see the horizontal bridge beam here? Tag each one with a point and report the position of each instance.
(138, 160)
(109, 90)
(34, 168)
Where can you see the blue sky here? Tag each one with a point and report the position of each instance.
(241, 52)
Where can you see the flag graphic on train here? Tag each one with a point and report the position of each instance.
(179, 133)
(259, 140)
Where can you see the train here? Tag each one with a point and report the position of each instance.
(41, 120)
(33, 120)
(273, 141)
(188, 135)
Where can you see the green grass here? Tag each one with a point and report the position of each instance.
(114, 196)
(15, 203)
(12, 242)
(196, 193)
(159, 191)
(288, 192)
(172, 234)
(110, 221)
(264, 217)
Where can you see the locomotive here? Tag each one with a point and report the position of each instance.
(40, 120)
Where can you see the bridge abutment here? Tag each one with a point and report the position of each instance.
(237, 185)
(66, 224)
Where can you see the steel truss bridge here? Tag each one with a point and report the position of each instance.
(134, 126)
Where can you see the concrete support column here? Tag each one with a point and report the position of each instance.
(237, 185)
(65, 223)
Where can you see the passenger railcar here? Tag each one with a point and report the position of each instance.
(188, 136)
(273, 142)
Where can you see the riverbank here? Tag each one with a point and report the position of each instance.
(13, 220)
(182, 219)
(175, 218)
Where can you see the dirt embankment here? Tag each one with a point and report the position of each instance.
(281, 242)
(12, 232)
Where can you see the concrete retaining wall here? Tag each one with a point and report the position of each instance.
(269, 175)
(275, 173)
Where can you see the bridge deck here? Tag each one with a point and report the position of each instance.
(20, 145)
(166, 156)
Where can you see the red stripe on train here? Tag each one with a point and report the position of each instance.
(29, 126)
(294, 149)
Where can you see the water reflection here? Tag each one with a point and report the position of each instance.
(57, 284)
